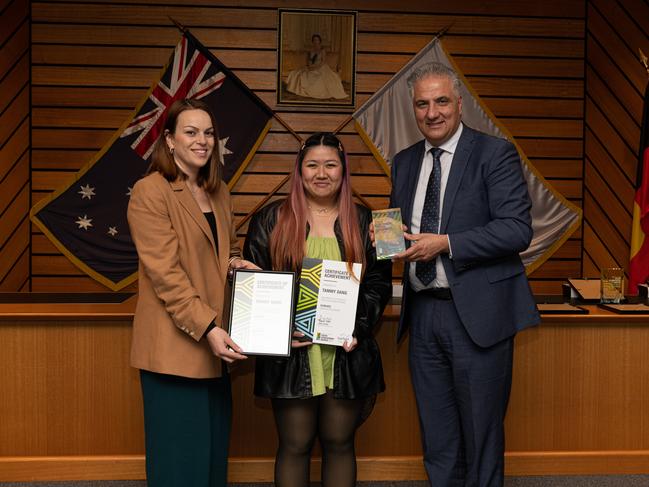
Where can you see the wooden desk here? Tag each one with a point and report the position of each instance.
(70, 406)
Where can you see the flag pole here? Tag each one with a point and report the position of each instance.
(354, 192)
(180, 26)
(343, 124)
(287, 127)
(184, 30)
(644, 60)
(361, 199)
(262, 202)
(276, 188)
(351, 117)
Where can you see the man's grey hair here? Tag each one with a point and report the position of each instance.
(434, 69)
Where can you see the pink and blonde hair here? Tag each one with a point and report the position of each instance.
(287, 240)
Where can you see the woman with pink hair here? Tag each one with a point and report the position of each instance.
(321, 390)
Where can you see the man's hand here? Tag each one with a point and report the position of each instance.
(223, 346)
(424, 247)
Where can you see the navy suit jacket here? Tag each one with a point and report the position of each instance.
(486, 213)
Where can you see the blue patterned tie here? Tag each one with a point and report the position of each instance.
(426, 271)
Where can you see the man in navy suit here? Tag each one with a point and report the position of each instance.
(465, 202)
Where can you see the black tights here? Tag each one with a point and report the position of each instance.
(299, 421)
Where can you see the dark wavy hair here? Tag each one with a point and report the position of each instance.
(162, 160)
(287, 252)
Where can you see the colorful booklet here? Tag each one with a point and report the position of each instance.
(388, 233)
(327, 300)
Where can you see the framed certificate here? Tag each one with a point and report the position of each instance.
(261, 311)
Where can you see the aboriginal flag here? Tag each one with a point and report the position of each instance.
(639, 261)
(86, 219)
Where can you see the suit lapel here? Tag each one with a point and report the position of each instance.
(458, 166)
(188, 203)
(414, 168)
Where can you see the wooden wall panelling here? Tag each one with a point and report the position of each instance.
(615, 83)
(597, 252)
(604, 16)
(600, 220)
(53, 96)
(15, 247)
(17, 279)
(14, 46)
(600, 158)
(17, 180)
(590, 268)
(14, 145)
(624, 156)
(617, 114)
(13, 216)
(550, 8)
(13, 80)
(602, 64)
(92, 62)
(14, 14)
(617, 210)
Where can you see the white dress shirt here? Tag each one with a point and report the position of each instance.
(446, 158)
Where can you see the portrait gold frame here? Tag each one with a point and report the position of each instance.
(337, 31)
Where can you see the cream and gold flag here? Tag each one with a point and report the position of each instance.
(387, 125)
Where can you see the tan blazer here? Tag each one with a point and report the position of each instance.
(181, 278)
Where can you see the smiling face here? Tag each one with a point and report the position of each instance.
(322, 174)
(192, 142)
(438, 108)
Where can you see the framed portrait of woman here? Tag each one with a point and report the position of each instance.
(316, 58)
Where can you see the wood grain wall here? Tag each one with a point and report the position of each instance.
(14, 145)
(615, 84)
(93, 61)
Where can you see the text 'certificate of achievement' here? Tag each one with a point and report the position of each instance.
(261, 311)
(328, 295)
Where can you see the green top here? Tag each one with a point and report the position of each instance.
(321, 357)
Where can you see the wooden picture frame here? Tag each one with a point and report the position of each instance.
(316, 59)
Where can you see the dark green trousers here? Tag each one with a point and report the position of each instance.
(187, 430)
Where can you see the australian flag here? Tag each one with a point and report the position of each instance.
(86, 220)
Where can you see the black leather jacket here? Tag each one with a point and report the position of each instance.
(358, 374)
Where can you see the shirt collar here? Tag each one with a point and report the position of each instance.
(451, 144)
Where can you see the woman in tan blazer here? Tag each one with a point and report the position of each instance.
(180, 218)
